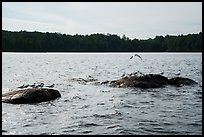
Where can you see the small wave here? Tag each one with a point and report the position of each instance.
(104, 90)
(70, 130)
(158, 128)
(113, 126)
(124, 131)
(87, 131)
(128, 106)
(47, 133)
(101, 116)
(146, 120)
(84, 106)
(109, 116)
(195, 124)
(27, 125)
(101, 104)
(167, 123)
(198, 92)
(82, 124)
(77, 97)
(145, 102)
(124, 105)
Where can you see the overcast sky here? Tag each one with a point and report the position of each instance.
(139, 20)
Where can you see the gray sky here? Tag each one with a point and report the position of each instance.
(139, 20)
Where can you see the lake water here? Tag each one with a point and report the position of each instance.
(90, 109)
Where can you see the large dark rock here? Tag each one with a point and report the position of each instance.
(149, 81)
(30, 95)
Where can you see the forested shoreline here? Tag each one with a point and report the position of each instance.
(23, 41)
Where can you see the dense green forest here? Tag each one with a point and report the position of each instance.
(24, 41)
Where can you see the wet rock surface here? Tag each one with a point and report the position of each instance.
(30, 95)
(139, 80)
(149, 81)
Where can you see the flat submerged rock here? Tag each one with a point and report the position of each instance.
(30, 95)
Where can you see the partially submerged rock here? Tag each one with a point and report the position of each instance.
(30, 95)
(179, 81)
(139, 80)
(83, 81)
(149, 81)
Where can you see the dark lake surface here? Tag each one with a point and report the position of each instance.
(91, 109)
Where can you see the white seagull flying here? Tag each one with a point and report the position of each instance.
(135, 55)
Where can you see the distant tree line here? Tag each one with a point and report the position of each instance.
(23, 41)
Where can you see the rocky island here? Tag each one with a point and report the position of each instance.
(149, 81)
(133, 80)
(139, 80)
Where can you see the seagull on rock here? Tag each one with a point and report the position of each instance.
(24, 86)
(39, 85)
(21, 86)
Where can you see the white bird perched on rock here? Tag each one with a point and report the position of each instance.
(33, 86)
(40, 85)
(21, 86)
(24, 86)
